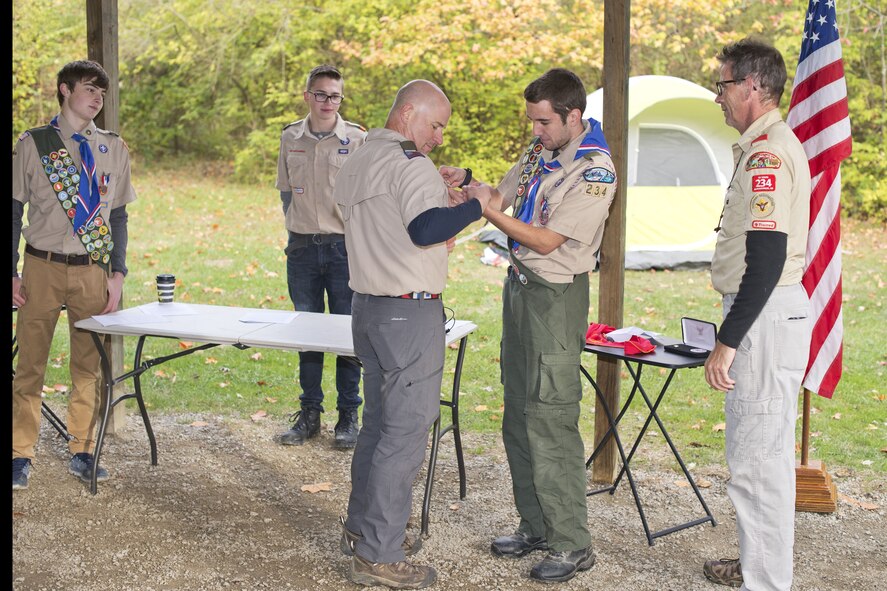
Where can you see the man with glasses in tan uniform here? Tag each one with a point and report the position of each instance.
(398, 221)
(312, 151)
(761, 352)
(75, 180)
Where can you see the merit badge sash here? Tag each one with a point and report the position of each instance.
(77, 191)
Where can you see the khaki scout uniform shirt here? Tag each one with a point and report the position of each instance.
(770, 191)
(579, 196)
(307, 166)
(49, 228)
(380, 190)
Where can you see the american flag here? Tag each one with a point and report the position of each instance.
(819, 117)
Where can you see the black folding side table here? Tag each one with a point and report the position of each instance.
(635, 365)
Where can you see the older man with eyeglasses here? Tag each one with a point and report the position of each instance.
(312, 150)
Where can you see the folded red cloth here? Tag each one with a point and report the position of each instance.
(637, 345)
(596, 335)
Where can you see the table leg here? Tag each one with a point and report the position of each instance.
(436, 435)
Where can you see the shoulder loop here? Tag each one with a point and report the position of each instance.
(410, 151)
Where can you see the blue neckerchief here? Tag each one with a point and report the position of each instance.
(88, 200)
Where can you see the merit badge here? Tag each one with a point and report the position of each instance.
(523, 178)
(598, 174)
(62, 195)
(67, 204)
(103, 148)
(49, 169)
(520, 190)
(537, 148)
(58, 186)
(63, 173)
(762, 160)
(762, 206)
(763, 182)
(72, 169)
(54, 156)
(44, 160)
(343, 150)
(63, 152)
(528, 169)
(71, 213)
(53, 177)
(57, 164)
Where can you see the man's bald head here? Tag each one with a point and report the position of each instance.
(420, 112)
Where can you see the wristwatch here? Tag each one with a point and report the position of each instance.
(467, 178)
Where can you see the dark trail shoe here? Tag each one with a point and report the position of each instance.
(563, 566)
(306, 426)
(517, 544)
(347, 429)
(397, 575)
(726, 571)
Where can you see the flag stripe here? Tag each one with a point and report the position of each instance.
(819, 123)
(815, 80)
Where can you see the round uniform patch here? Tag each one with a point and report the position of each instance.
(345, 142)
(103, 148)
(762, 206)
(63, 152)
(537, 148)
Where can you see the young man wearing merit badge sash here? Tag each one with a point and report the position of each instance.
(75, 180)
(312, 150)
(560, 191)
(761, 352)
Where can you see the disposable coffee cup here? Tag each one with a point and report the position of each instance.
(166, 286)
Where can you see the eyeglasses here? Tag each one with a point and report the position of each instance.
(720, 85)
(322, 97)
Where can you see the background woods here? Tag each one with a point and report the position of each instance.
(217, 80)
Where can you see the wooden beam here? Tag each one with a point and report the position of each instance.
(617, 16)
(102, 46)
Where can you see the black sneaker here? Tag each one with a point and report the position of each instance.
(563, 566)
(21, 470)
(517, 544)
(305, 426)
(347, 428)
(81, 466)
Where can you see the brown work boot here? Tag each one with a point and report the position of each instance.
(726, 571)
(410, 544)
(397, 575)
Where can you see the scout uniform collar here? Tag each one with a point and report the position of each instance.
(78, 190)
(339, 130)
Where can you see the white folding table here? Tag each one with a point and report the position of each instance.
(223, 325)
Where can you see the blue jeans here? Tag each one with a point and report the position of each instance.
(311, 270)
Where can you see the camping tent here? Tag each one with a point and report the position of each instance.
(679, 164)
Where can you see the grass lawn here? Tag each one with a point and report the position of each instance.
(224, 242)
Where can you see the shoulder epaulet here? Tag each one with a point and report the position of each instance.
(107, 132)
(357, 125)
(24, 135)
(410, 150)
(293, 123)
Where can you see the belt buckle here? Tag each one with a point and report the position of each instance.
(317, 239)
(424, 295)
(71, 259)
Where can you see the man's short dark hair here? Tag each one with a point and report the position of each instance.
(562, 88)
(759, 60)
(74, 73)
(322, 71)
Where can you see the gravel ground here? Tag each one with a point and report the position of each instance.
(224, 509)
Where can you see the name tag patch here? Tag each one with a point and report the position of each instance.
(343, 150)
(763, 225)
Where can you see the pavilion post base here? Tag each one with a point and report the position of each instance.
(814, 490)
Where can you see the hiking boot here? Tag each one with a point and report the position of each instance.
(306, 425)
(397, 575)
(726, 571)
(81, 466)
(517, 544)
(21, 470)
(347, 428)
(563, 566)
(409, 545)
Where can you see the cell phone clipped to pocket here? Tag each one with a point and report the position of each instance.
(699, 338)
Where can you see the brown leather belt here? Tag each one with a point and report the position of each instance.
(76, 260)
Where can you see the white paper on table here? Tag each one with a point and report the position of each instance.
(269, 316)
(170, 309)
(129, 316)
(620, 335)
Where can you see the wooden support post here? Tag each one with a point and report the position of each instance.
(814, 490)
(617, 17)
(102, 45)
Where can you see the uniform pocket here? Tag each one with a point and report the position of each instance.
(559, 378)
(793, 342)
(754, 428)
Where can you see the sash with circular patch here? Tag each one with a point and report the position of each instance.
(64, 177)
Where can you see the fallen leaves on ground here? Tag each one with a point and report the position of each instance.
(199, 424)
(718, 427)
(861, 504)
(258, 416)
(317, 487)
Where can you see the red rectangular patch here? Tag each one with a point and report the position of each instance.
(763, 182)
(760, 138)
(763, 225)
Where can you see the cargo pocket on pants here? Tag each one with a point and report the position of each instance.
(559, 378)
(754, 428)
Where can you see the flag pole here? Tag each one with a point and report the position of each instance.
(814, 490)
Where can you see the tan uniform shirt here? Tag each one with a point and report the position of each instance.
(307, 166)
(49, 228)
(380, 190)
(770, 191)
(577, 202)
